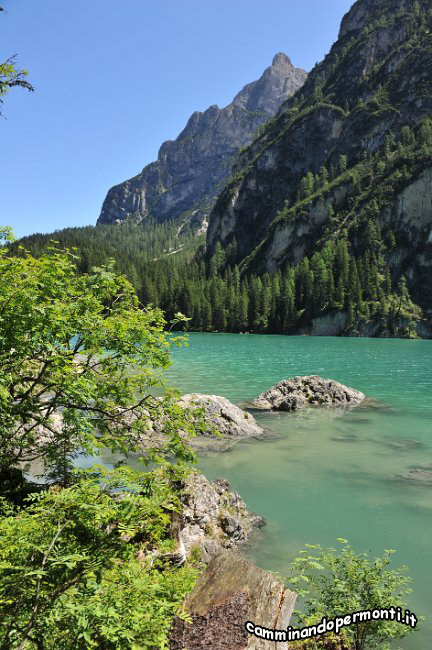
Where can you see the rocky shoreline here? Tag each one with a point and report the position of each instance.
(213, 517)
(225, 424)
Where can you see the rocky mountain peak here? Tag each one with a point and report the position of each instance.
(278, 82)
(190, 171)
(281, 59)
(352, 149)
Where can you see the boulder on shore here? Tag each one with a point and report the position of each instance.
(213, 517)
(224, 424)
(299, 392)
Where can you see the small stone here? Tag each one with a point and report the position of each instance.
(230, 525)
(221, 485)
(420, 474)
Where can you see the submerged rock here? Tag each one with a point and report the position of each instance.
(404, 445)
(418, 474)
(213, 517)
(296, 393)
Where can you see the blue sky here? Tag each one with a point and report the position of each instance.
(115, 78)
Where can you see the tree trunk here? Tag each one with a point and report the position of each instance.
(231, 592)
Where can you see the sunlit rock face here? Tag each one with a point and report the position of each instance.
(375, 81)
(190, 171)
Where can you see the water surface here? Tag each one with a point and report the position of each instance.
(327, 475)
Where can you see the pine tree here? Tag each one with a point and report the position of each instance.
(320, 289)
(255, 304)
(243, 310)
(310, 183)
(304, 286)
(303, 189)
(218, 259)
(287, 315)
(324, 175)
(343, 164)
(342, 272)
(354, 292)
(207, 316)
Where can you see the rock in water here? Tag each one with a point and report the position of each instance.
(222, 417)
(296, 393)
(224, 424)
(422, 475)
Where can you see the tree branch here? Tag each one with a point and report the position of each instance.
(38, 587)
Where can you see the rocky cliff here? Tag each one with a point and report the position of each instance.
(190, 171)
(353, 147)
(212, 518)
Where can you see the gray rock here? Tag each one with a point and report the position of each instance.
(299, 392)
(213, 517)
(189, 172)
(223, 418)
(224, 424)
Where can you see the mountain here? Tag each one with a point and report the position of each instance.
(185, 180)
(325, 226)
(345, 163)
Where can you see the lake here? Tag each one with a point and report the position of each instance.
(326, 475)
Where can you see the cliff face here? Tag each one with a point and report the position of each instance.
(189, 172)
(355, 145)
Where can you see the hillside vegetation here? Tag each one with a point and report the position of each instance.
(326, 224)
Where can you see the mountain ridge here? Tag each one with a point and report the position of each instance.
(325, 225)
(343, 154)
(190, 170)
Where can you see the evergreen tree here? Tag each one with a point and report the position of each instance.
(343, 164)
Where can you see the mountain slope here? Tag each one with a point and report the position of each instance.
(351, 152)
(326, 225)
(190, 170)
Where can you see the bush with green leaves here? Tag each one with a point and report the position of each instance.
(91, 565)
(80, 360)
(87, 559)
(335, 582)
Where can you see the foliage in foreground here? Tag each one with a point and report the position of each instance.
(89, 566)
(86, 561)
(11, 76)
(335, 582)
(80, 360)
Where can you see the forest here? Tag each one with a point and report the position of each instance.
(349, 273)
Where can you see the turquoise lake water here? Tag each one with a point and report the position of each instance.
(326, 475)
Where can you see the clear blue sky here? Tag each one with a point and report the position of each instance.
(115, 78)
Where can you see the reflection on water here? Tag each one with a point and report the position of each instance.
(329, 474)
